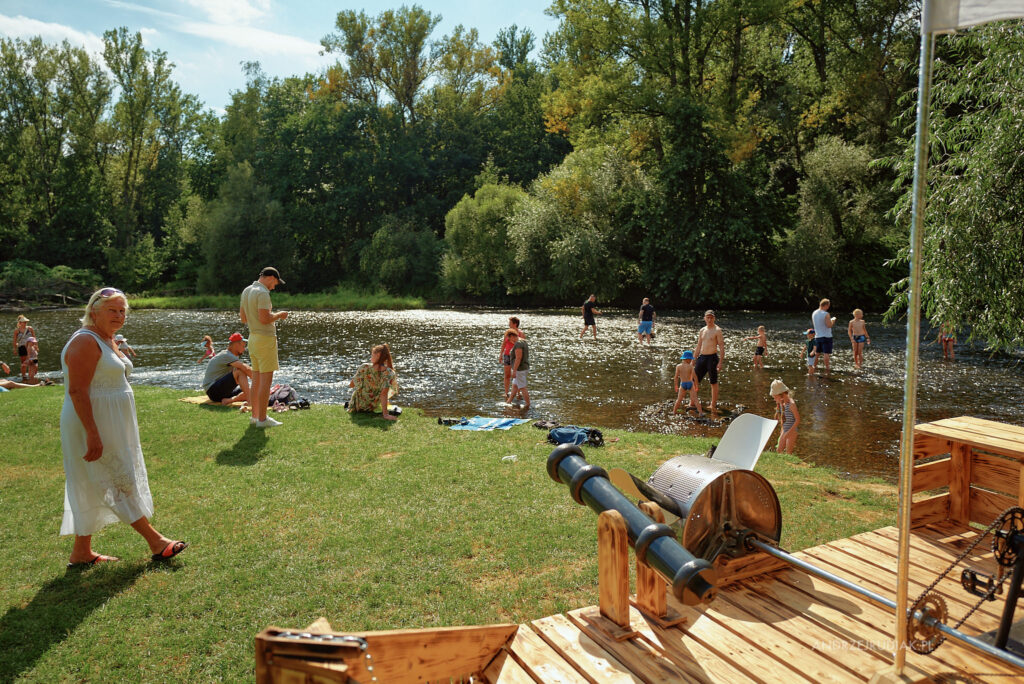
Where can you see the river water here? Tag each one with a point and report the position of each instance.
(447, 361)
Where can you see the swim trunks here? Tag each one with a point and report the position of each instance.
(506, 359)
(645, 327)
(860, 339)
(824, 344)
(707, 364)
(686, 385)
(759, 351)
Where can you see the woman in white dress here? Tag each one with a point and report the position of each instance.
(99, 434)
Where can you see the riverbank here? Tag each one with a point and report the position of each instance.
(340, 299)
(373, 525)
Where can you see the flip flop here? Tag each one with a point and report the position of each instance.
(96, 560)
(170, 551)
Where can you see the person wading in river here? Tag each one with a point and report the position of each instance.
(711, 351)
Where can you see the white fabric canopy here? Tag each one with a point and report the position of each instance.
(944, 16)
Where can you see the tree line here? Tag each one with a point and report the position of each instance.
(727, 152)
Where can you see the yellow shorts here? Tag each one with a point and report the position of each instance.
(263, 353)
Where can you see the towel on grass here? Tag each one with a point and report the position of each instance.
(484, 423)
(202, 399)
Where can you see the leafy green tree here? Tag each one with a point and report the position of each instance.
(402, 258)
(972, 276)
(245, 230)
(477, 259)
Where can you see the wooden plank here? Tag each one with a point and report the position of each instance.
(638, 655)
(742, 652)
(502, 670)
(879, 629)
(987, 506)
(882, 580)
(592, 661)
(944, 544)
(926, 446)
(541, 661)
(785, 649)
(985, 428)
(996, 473)
(613, 567)
(732, 570)
(994, 440)
(811, 633)
(928, 476)
(416, 655)
(929, 510)
(690, 654)
(926, 567)
(960, 483)
(650, 587)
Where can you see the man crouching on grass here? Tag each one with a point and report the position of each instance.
(520, 367)
(227, 377)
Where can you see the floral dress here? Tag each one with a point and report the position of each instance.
(369, 383)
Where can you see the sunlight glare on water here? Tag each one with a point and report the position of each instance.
(448, 364)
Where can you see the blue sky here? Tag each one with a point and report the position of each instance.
(208, 39)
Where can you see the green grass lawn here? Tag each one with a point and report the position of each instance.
(373, 525)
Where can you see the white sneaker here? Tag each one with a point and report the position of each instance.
(252, 420)
(268, 422)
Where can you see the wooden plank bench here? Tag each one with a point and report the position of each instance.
(976, 464)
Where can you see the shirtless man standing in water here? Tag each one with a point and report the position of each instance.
(711, 353)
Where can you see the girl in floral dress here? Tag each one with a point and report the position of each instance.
(373, 383)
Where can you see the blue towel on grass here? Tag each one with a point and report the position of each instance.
(484, 423)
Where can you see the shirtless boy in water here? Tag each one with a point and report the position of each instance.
(684, 383)
(711, 350)
(858, 332)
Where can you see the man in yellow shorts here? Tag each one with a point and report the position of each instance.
(257, 313)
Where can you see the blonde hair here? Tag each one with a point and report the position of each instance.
(98, 299)
(858, 312)
(385, 355)
(823, 302)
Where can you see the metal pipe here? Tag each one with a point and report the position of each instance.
(692, 579)
(924, 86)
(987, 648)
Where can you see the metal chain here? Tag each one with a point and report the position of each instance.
(966, 552)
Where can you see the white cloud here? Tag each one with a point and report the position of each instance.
(258, 40)
(231, 11)
(25, 28)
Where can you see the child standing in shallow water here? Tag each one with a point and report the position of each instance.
(762, 346)
(788, 416)
(208, 352)
(684, 381)
(809, 350)
(858, 332)
(947, 338)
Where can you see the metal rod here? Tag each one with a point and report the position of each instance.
(924, 87)
(1012, 595)
(987, 648)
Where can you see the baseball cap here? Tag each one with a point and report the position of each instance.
(709, 312)
(236, 337)
(31, 339)
(809, 331)
(271, 271)
(687, 355)
(119, 338)
(21, 318)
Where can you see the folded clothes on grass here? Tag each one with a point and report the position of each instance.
(484, 423)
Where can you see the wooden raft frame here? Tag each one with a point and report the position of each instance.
(977, 464)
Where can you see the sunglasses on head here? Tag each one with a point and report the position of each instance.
(110, 292)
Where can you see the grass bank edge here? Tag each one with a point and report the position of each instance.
(338, 300)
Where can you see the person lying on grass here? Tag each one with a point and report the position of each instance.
(373, 382)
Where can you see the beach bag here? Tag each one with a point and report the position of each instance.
(570, 434)
(283, 394)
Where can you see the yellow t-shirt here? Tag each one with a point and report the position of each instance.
(254, 298)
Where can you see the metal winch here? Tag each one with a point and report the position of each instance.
(718, 504)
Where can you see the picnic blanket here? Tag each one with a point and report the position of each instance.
(202, 399)
(484, 423)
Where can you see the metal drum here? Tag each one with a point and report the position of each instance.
(719, 503)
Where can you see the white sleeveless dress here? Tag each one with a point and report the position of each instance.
(113, 487)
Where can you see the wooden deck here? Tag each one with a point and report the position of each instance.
(785, 626)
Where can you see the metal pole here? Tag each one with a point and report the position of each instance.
(1006, 656)
(924, 87)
